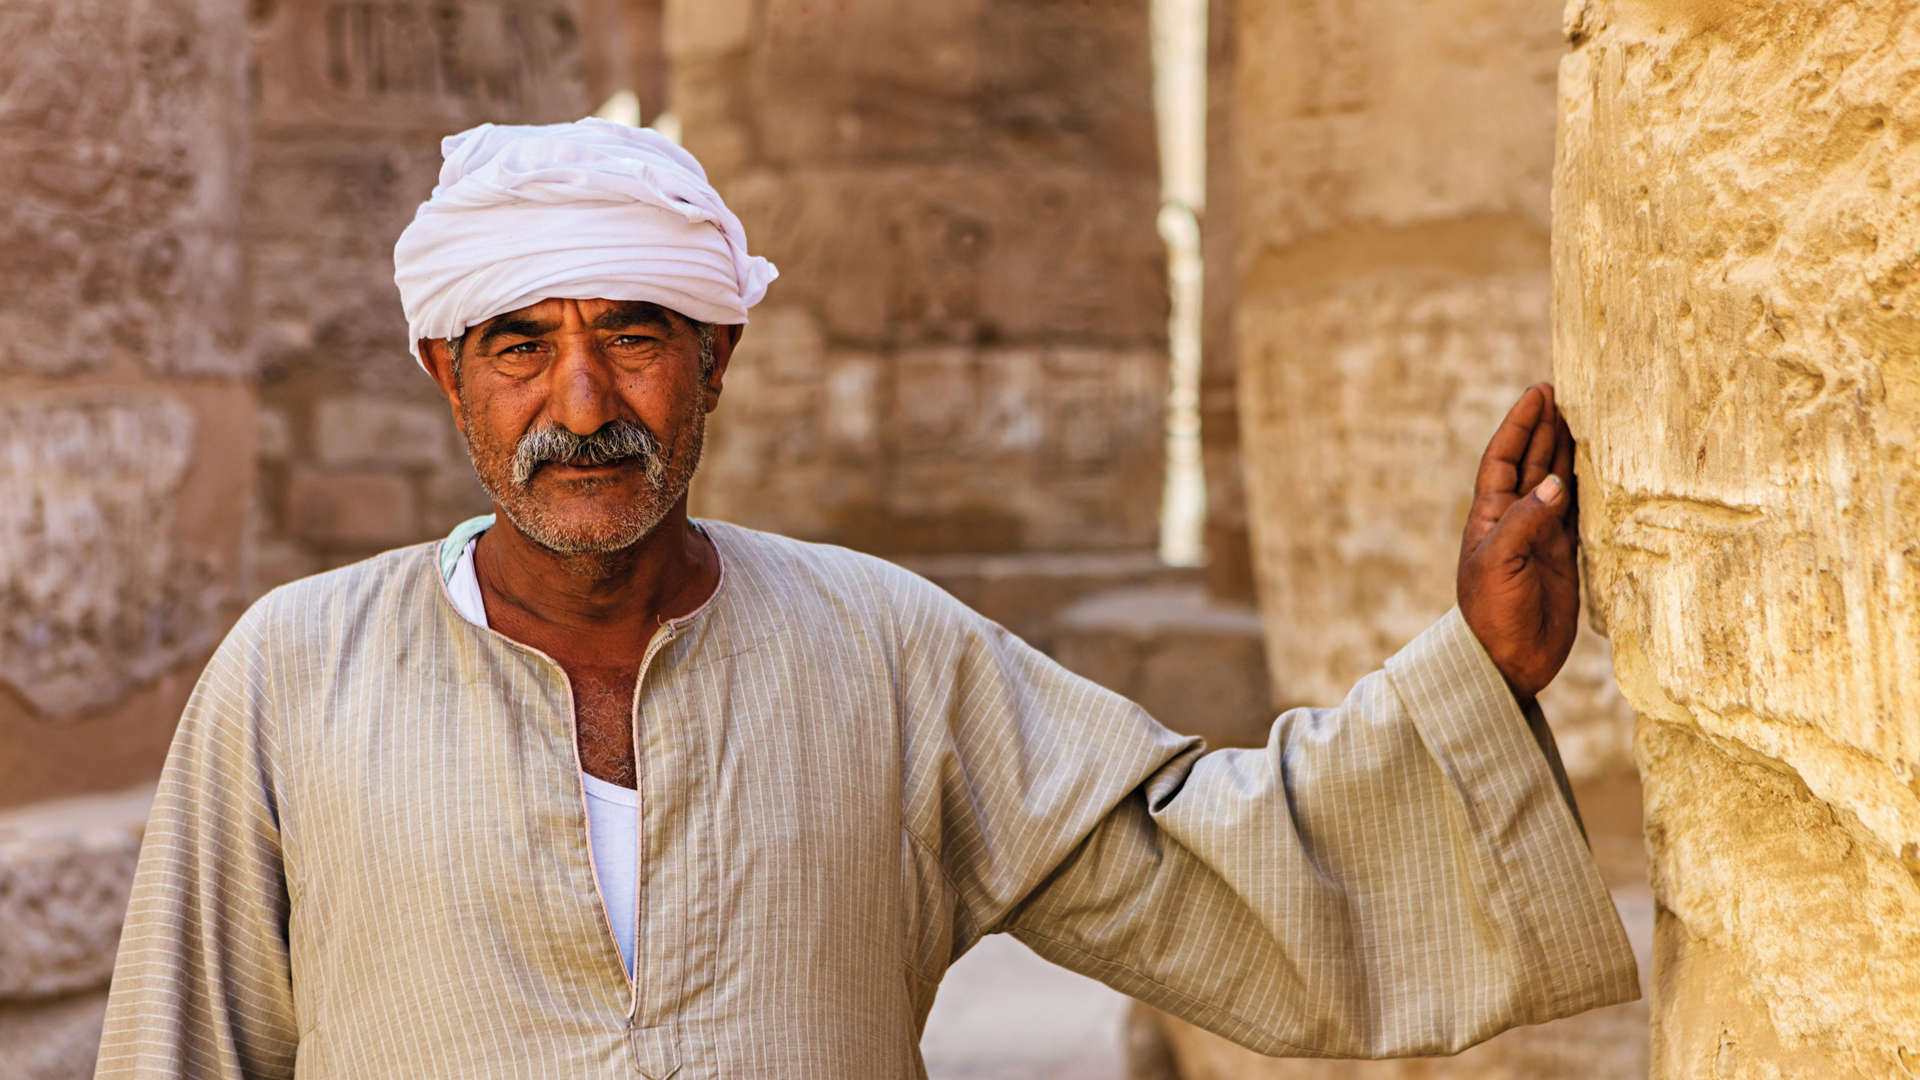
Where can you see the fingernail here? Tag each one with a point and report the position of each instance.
(1548, 491)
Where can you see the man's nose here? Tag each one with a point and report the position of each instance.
(580, 394)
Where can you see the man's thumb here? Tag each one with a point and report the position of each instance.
(1531, 518)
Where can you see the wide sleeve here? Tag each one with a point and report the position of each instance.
(201, 986)
(1398, 875)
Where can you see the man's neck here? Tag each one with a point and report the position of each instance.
(669, 573)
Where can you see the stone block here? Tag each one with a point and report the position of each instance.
(450, 495)
(65, 871)
(784, 343)
(1736, 315)
(121, 152)
(1380, 112)
(1026, 593)
(1013, 83)
(959, 252)
(380, 433)
(416, 66)
(702, 28)
(275, 442)
(1196, 665)
(96, 499)
(853, 411)
(353, 509)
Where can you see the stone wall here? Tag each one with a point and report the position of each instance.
(1736, 332)
(126, 435)
(966, 349)
(358, 452)
(126, 420)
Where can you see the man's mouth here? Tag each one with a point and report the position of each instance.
(583, 469)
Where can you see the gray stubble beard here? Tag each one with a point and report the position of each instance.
(669, 475)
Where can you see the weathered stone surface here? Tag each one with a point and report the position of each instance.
(623, 46)
(1737, 316)
(100, 593)
(121, 150)
(368, 430)
(353, 100)
(966, 349)
(1196, 665)
(53, 1040)
(1027, 593)
(351, 508)
(936, 449)
(65, 871)
(1392, 302)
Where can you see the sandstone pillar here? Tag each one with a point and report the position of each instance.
(1391, 170)
(358, 451)
(1390, 174)
(966, 349)
(126, 434)
(1229, 551)
(1736, 330)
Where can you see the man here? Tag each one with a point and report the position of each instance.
(591, 789)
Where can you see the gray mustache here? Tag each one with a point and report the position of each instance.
(617, 440)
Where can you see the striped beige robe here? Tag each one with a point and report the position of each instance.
(369, 857)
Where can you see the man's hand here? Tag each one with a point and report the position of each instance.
(1519, 578)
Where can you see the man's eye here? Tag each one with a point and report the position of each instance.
(631, 340)
(523, 348)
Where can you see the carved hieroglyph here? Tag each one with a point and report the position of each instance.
(119, 156)
(96, 598)
(1737, 337)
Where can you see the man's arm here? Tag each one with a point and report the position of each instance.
(201, 986)
(1399, 874)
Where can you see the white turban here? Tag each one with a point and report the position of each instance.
(587, 210)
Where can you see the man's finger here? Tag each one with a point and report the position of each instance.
(1500, 465)
(1541, 446)
(1531, 519)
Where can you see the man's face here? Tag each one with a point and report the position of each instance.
(585, 418)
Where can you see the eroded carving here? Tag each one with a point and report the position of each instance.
(94, 597)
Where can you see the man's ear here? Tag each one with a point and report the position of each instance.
(439, 361)
(726, 337)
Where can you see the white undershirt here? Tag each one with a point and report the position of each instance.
(613, 812)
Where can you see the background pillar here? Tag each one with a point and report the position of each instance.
(126, 445)
(1390, 179)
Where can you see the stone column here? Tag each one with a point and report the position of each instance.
(126, 442)
(358, 450)
(624, 51)
(966, 349)
(1229, 550)
(1390, 173)
(1392, 170)
(1736, 330)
